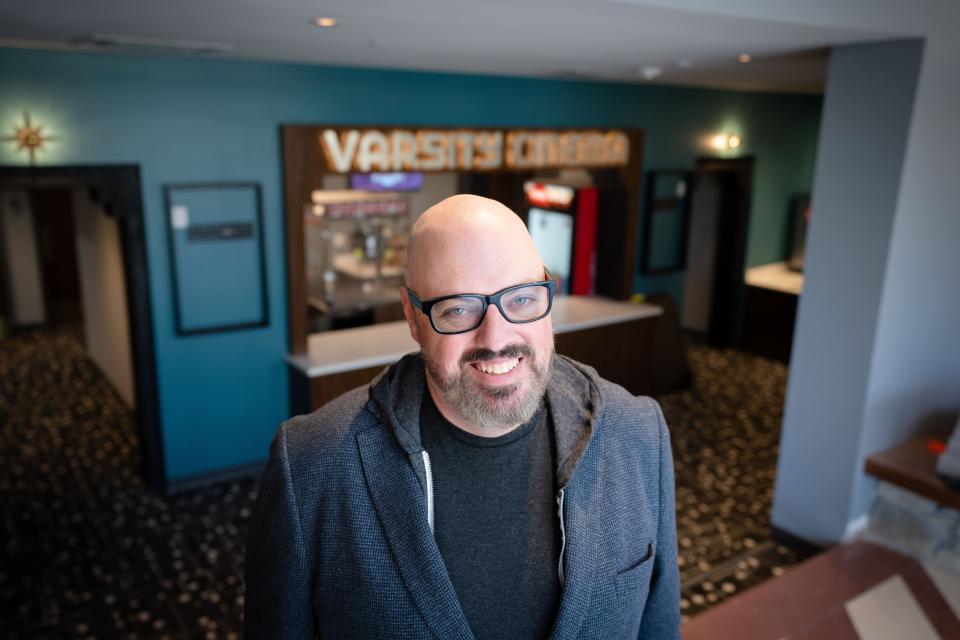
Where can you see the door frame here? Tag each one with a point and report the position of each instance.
(733, 224)
(117, 188)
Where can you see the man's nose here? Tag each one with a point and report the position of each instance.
(494, 332)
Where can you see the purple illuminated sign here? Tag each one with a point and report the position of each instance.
(396, 181)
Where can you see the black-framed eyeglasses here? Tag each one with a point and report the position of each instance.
(462, 312)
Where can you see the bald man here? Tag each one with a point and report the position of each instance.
(483, 487)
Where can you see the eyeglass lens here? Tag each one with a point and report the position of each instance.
(464, 312)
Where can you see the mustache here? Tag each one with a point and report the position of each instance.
(510, 351)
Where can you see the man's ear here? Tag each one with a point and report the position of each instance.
(410, 314)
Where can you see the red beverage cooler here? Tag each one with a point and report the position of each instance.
(563, 223)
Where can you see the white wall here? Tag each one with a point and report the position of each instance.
(106, 322)
(22, 268)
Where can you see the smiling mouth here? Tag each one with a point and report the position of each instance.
(498, 368)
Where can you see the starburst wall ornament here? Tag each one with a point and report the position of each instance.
(29, 137)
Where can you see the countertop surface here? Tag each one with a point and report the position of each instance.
(380, 344)
(776, 276)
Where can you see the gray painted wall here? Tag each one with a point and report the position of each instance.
(915, 377)
(866, 120)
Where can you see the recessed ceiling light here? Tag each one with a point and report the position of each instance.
(325, 22)
(651, 72)
(745, 57)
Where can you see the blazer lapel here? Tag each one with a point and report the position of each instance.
(401, 507)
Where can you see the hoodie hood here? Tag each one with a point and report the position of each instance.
(573, 399)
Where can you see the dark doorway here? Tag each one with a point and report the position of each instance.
(56, 247)
(717, 248)
(117, 190)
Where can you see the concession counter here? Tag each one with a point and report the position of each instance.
(614, 337)
(770, 313)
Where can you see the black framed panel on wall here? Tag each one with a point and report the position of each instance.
(799, 221)
(217, 256)
(666, 218)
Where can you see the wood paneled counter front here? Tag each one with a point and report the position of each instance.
(613, 337)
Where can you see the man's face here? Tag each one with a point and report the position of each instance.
(494, 376)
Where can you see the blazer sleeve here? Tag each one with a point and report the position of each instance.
(661, 617)
(277, 571)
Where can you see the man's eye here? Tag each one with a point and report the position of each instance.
(521, 301)
(455, 312)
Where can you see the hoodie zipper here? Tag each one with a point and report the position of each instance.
(563, 536)
(428, 473)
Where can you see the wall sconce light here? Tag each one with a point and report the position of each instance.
(29, 137)
(725, 141)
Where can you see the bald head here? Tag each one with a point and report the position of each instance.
(473, 242)
(463, 245)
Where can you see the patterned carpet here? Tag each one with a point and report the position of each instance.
(725, 432)
(85, 552)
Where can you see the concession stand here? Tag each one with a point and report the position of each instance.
(347, 248)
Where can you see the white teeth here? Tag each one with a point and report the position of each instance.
(499, 368)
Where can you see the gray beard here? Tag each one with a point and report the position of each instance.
(492, 407)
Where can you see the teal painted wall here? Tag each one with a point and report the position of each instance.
(188, 120)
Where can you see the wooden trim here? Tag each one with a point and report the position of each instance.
(298, 182)
(912, 466)
(632, 178)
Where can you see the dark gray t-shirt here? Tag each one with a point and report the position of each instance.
(495, 522)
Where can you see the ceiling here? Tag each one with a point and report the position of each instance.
(614, 40)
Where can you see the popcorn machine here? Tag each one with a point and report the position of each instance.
(356, 252)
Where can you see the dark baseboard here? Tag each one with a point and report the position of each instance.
(206, 479)
(795, 542)
(16, 329)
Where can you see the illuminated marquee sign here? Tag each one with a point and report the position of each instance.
(540, 194)
(365, 150)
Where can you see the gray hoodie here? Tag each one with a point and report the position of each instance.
(341, 544)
